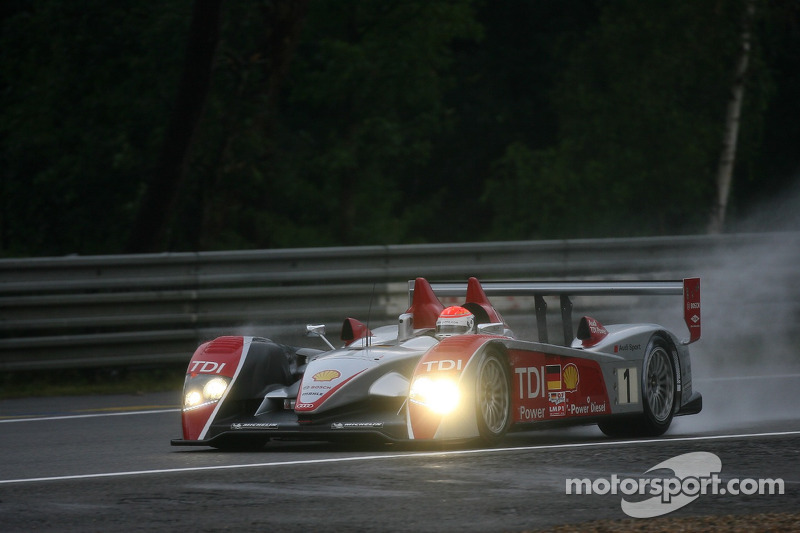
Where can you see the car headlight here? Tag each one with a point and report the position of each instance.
(215, 388)
(440, 394)
(202, 390)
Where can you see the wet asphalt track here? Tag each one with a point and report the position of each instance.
(105, 464)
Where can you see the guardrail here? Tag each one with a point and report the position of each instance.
(98, 311)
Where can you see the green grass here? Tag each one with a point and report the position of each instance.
(76, 382)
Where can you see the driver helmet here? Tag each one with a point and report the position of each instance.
(454, 320)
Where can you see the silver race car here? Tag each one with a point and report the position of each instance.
(453, 373)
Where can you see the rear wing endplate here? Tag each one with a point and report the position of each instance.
(689, 288)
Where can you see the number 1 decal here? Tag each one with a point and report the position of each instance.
(626, 385)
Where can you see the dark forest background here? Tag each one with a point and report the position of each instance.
(175, 125)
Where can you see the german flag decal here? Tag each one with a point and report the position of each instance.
(553, 373)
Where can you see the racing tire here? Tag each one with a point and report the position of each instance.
(659, 395)
(493, 397)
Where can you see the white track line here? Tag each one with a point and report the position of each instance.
(403, 455)
(699, 381)
(93, 415)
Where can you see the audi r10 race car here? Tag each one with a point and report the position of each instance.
(455, 374)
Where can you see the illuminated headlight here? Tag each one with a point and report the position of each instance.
(193, 399)
(440, 395)
(215, 388)
(203, 390)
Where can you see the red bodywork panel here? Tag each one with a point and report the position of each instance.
(553, 387)
(425, 306)
(448, 358)
(543, 386)
(219, 357)
(476, 296)
(353, 330)
(691, 307)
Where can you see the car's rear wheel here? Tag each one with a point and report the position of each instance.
(493, 397)
(658, 384)
(659, 395)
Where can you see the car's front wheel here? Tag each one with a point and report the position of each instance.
(493, 397)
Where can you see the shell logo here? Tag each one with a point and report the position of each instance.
(571, 376)
(326, 375)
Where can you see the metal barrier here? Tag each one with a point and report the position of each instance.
(100, 311)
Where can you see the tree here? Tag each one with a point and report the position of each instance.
(640, 106)
(340, 122)
(83, 89)
(157, 206)
(233, 178)
(731, 131)
(329, 160)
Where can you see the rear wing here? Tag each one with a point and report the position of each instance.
(689, 288)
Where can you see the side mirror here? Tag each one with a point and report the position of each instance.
(405, 327)
(495, 328)
(318, 331)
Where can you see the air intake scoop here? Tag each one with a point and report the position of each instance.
(590, 331)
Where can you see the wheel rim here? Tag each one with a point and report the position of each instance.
(493, 395)
(660, 384)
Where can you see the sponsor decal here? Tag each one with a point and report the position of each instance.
(311, 399)
(595, 328)
(550, 382)
(558, 403)
(254, 425)
(589, 408)
(531, 387)
(356, 425)
(553, 377)
(565, 387)
(315, 390)
(598, 407)
(442, 365)
(205, 367)
(578, 409)
(571, 377)
(627, 348)
(562, 378)
(527, 414)
(326, 375)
